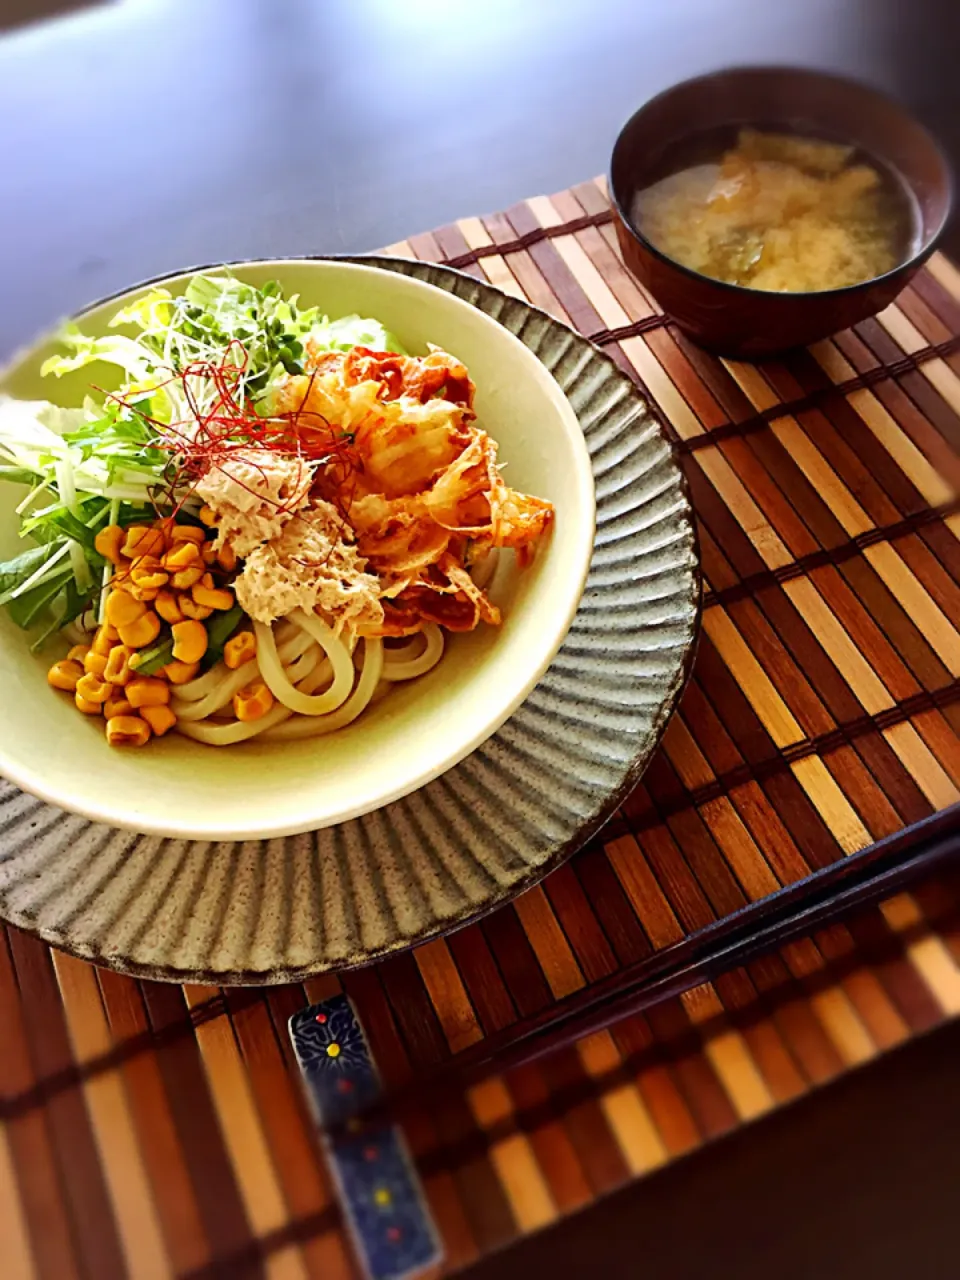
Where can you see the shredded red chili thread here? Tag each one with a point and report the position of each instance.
(230, 429)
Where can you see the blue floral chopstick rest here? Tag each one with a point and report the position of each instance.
(379, 1189)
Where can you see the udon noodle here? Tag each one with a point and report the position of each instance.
(321, 682)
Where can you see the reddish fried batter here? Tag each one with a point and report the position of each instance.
(423, 378)
(425, 486)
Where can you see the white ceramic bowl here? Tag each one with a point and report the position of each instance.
(180, 788)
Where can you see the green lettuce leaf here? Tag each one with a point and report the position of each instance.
(27, 608)
(354, 331)
(152, 313)
(14, 572)
(117, 349)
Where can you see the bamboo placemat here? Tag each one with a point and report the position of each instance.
(154, 1131)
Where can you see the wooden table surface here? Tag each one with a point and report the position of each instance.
(139, 137)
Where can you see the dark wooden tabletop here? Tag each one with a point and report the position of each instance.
(144, 136)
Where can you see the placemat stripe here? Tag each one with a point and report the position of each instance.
(524, 1183)
(95, 1229)
(486, 1206)
(33, 1190)
(194, 1117)
(165, 1159)
(14, 1239)
(592, 1131)
(911, 997)
(517, 961)
(922, 387)
(580, 925)
(366, 991)
(133, 1205)
(448, 995)
(413, 1010)
(247, 1146)
(526, 270)
(482, 979)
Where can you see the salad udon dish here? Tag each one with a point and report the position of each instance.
(411, 730)
(261, 525)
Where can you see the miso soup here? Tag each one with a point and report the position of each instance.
(779, 212)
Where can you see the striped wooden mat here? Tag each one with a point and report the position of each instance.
(149, 1130)
(157, 1132)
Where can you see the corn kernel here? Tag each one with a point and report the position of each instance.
(147, 572)
(212, 597)
(117, 707)
(253, 701)
(65, 675)
(117, 670)
(209, 554)
(191, 609)
(105, 639)
(122, 610)
(147, 691)
(182, 555)
(143, 631)
(188, 533)
(142, 541)
(128, 731)
(180, 672)
(160, 719)
(78, 652)
(189, 640)
(168, 606)
(94, 664)
(184, 579)
(209, 517)
(239, 649)
(88, 708)
(109, 542)
(92, 689)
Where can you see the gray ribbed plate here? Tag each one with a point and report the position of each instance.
(275, 911)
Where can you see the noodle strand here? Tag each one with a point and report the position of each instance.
(404, 668)
(314, 726)
(226, 735)
(280, 686)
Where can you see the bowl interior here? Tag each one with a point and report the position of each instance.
(181, 788)
(803, 102)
